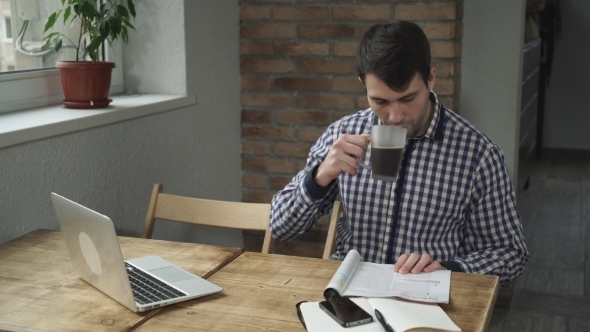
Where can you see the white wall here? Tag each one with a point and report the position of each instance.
(567, 113)
(192, 151)
(491, 71)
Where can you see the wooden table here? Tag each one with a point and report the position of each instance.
(260, 293)
(40, 291)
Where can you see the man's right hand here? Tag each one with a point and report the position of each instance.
(342, 158)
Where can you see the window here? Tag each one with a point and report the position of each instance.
(7, 28)
(28, 77)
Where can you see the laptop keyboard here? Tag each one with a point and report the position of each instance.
(147, 289)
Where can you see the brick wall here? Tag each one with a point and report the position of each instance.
(297, 76)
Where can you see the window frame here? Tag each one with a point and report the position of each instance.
(27, 89)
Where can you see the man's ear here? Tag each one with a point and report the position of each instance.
(431, 78)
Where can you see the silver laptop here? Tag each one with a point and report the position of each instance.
(140, 284)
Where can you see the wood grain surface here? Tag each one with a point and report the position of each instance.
(39, 290)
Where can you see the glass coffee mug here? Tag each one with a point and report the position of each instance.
(387, 147)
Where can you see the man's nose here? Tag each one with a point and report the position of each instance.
(394, 114)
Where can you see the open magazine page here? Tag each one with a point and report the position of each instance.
(426, 287)
(343, 274)
(379, 280)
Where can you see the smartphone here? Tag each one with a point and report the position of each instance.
(346, 312)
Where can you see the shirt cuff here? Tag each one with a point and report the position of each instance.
(314, 190)
(452, 265)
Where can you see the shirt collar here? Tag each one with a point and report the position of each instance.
(436, 129)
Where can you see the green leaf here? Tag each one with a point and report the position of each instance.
(57, 43)
(51, 21)
(127, 23)
(67, 14)
(115, 25)
(63, 2)
(123, 11)
(49, 36)
(91, 50)
(131, 7)
(77, 9)
(104, 30)
(125, 35)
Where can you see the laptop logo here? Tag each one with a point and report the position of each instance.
(90, 253)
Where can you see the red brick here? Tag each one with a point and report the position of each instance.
(256, 164)
(303, 117)
(443, 68)
(303, 83)
(300, 13)
(302, 48)
(255, 83)
(362, 12)
(448, 102)
(269, 133)
(270, 30)
(456, 69)
(327, 101)
(300, 164)
(266, 66)
(340, 115)
(429, 11)
(254, 13)
(254, 180)
(445, 49)
(309, 134)
(362, 102)
(325, 31)
(247, 48)
(256, 116)
(347, 84)
(444, 87)
(279, 182)
(440, 31)
(251, 196)
(291, 149)
(325, 66)
(255, 148)
(267, 99)
(345, 48)
(363, 28)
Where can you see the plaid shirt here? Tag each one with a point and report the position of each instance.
(452, 199)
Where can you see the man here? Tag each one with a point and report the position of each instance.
(452, 205)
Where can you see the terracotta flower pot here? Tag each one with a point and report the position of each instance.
(86, 84)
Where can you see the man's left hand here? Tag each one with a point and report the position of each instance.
(416, 263)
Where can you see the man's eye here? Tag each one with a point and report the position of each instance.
(380, 102)
(407, 100)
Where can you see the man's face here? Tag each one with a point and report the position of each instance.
(410, 108)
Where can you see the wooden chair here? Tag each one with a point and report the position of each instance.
(330, 246)
(236, 215)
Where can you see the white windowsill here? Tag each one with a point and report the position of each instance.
(29, 125)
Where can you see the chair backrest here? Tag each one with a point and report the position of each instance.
(330, 246)
(237, 215)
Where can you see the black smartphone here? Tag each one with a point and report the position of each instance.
(346, 312)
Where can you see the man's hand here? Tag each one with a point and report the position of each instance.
(416, 263)
(342, 158)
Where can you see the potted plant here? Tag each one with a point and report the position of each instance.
(86, 81)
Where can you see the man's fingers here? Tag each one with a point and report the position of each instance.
(400, 262)
(435, 265)
(409, 264)
(424, 260)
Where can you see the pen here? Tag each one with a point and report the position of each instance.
(381, 320)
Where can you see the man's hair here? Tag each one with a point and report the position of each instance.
(394, 52)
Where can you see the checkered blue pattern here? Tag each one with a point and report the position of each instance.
(452, 199)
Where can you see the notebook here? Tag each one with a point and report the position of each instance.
(139, 284)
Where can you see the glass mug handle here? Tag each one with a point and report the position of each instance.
(363, 165)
